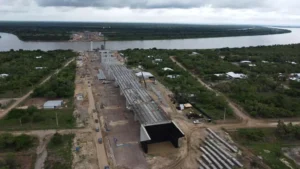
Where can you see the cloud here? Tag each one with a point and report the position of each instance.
(152, 4)
(275, 12)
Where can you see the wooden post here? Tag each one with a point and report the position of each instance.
(56, 119)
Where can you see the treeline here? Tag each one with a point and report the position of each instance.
(49, 31)
(267, 91)
(185, 87)
(289, 131)
(21, 67)
(29, 115)
(60, 85)
(9, 142)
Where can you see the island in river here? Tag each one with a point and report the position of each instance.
(64, 31)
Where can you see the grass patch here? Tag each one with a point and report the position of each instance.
(268, 146)
(60, 152)
(45, 119)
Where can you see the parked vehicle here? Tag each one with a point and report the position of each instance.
(97, 129)
(100, 140)
(196, 121)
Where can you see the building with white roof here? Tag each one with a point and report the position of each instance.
(158, 60)
(236, 75)
(146, 75)
(173, 76)
(3, 75)
(252, 65)
(245, 61)
(167, 69)
(219, 74)
(40, 68)
(38, 57)
(53, 104)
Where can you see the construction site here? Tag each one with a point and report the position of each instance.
(138, 125)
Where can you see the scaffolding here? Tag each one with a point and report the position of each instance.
(146, 111)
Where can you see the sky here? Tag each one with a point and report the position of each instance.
(262, 12)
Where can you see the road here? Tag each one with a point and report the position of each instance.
(15, 104)
(101, 153)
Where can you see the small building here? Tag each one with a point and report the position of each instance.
(79, 96)
(264, 61)
(292, 62)
(146, 75)
(187, 105)
(245, 61)
(38, 57)
(173, 76)
(79, 58)
(233, 75)
(222, 57)
(167, 69)
(3, 75)
(101, 75)
(219, 74)
(194, 53)
(252, 65)
(39, 68)
(157, 60)
(53, 104)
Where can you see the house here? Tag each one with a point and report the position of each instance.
(149, 56)
(53, 104)
(252, 65)
(37, 68)
(181, 106)
(38, 57)
(167, 69)
(3, 75)
(195, 53)
(188, 105)
(157, 60)
(173, 76)
(80, 58)
(146, 75)
(293, 63)
(263, 61)
(245, 61)
(233, 75)
(219, 74)
(222, 57)
(79, 96)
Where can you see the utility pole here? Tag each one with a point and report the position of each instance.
(56, 119)
(224, 113)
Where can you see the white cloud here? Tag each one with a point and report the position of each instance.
(279, 12)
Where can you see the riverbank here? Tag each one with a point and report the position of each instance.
(10, 41)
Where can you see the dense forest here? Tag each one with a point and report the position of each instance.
(26, 68)
(267, 91)
(185, 87)
(60, 85)
(62, 31)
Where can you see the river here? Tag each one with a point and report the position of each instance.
(9, 41)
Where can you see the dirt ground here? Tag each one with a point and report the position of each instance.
(86, 158)
(120, 125)
(293, 153)
(37, 102)
(23, 160)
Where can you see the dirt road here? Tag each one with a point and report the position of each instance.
(237, 110)
(15, 104)
(101, 153)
